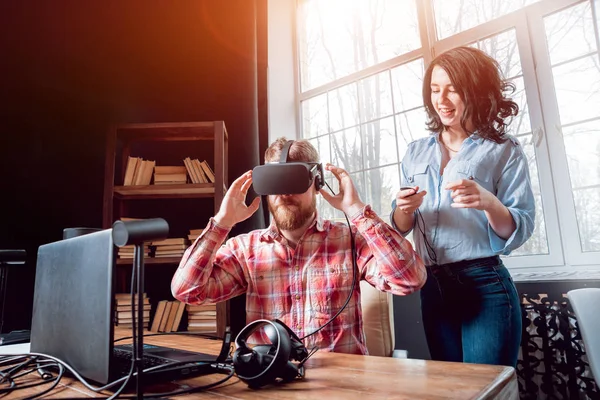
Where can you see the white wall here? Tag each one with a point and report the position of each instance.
(281, 69)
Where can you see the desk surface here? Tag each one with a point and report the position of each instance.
(334, 375)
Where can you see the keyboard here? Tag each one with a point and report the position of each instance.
(122, 361)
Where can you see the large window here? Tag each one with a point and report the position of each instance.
(361, 65)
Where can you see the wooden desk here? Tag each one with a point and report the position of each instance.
(340, 376)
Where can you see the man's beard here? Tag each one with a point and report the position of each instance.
(290, 215)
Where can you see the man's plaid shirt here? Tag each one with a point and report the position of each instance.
(303, 286)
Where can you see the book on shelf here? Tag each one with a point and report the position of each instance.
(191, 170)
(194, 233)
(128, 251)
(138, 171)
(168, 316)
(208, 171)
(202, 318)
(143, 172)
(124, 312)
(170, 175)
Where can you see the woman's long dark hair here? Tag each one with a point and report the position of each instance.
(477, 79)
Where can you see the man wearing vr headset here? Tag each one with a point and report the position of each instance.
(300, 269)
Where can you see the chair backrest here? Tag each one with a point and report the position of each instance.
(585, 304)
(378, 317)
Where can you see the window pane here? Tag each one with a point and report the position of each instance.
(382, 185)
(326, 210)
(570, 33)
(375, 97)
(380, 143)
(411, 126)
(588, 217)
(314, 116)
(346, 148)
(407, 83)
(359, 182)
(322, 145)
(577, 86)
(538, 243)
(339, 37)
(343, 107)
(582, 144)
(504, 49)
(521, 123)
(454, 16)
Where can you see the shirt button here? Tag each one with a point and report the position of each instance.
(298, 328)
(297, 267)
(332, 270)
(297, 297)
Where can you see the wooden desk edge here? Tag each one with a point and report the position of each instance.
(500, 388)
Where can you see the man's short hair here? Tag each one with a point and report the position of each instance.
(300, 151)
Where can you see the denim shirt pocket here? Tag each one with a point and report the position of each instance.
(476, 172)
(417, 175)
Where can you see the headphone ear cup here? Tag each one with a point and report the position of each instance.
(245, 361)
(289, 372)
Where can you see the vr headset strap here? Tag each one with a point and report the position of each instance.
(285, 151)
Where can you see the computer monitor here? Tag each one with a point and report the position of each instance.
(73, 302)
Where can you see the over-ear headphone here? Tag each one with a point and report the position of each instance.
(316, 169)
(268, 363)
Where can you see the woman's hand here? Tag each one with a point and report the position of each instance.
(467, 193)
(233, 207)
(408, 200)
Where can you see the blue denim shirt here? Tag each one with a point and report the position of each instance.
(464, 233)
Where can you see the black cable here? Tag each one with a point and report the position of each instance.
(428, 246)
(354, 276)
(218, 368)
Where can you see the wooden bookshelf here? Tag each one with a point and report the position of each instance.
(188, 190)
(150, 260)
(164, 143)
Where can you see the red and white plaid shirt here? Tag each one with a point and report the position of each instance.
(305, 286)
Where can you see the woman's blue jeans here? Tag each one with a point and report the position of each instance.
(471, 312)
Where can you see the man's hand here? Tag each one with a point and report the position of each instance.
(467, 193)
(408, 200)
(233, 207)
(347, 200)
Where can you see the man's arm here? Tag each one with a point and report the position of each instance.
(209, 272)
(385, 259)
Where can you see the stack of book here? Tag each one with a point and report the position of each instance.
(167, 317)
(194, 233)
(138, 171)
(128, 251)
(202, 318)
(199, 171)
(124, 314)
(170, 175)
(171, 247)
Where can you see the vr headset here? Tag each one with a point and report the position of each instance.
(286, 177)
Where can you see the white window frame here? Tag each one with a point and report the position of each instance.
(565, 259)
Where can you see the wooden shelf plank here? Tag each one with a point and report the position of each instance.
(150, 260)
(188, 190)
(168, 131)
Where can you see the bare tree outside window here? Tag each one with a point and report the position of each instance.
(365, 124)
